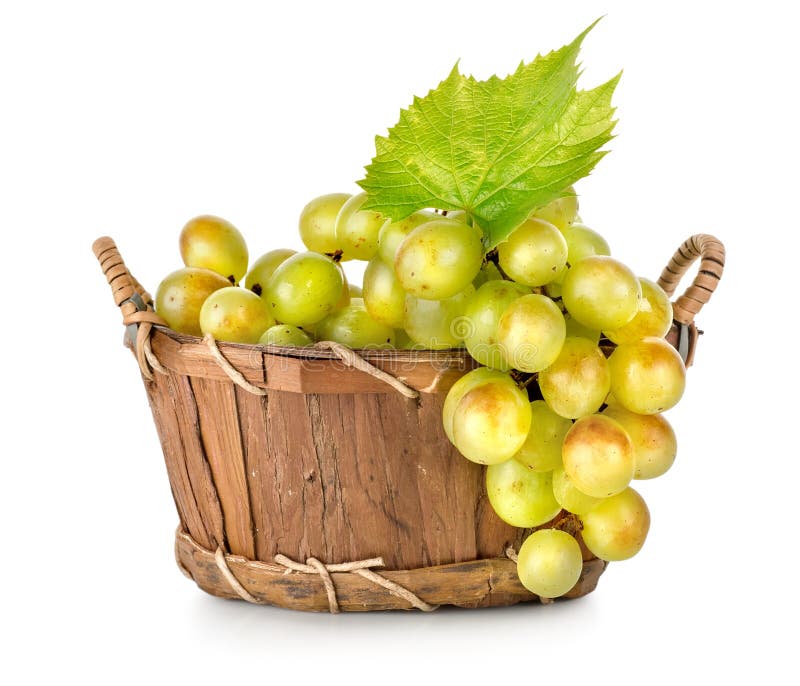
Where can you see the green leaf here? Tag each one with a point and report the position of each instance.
(497, 148)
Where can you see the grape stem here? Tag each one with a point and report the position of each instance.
(493, 257)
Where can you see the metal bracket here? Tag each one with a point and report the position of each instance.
(131, 329)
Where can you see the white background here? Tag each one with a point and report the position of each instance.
(129, 118)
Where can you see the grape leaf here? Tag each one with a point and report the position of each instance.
(497, 148)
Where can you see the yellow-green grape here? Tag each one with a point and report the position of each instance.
(285, 334)
(648, 376)
(569, 497)
(392, 234)
(305, 289)
(520, 496)
(488, 272)
(318, 223)
(384, 297)
(654, 441)
(263, 268)
(598, 456)
(436, 324)
(549, 563)
(355, 291)
(402, 341)
(352, 326)
(561, 212)
(601, 292)
(531, 332)
(534, 254)
(439, 259)
(461, 387)
(357, 230)
(235, 314)
(481, 315)
(576, 329)
(491, 422)
(181, 295)
(654, 317)
(541, 451)
(617, 527)
(577, 383)
(213, 243)
(584, 242)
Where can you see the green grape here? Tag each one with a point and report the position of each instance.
(436, 324)
(654, 317)
(601, 292)
(654, 442)
(617, 527)
(355, 291)
(318, 223)
(439, 259)
(285, 334)
(534, 254)
(258, 276)
(235, 314)
(577, 383)
(181, 295)
(213, 243)
(531, 332)
(549, 563)
(384, 297)
(481, 315)
(561, 212)
(357, 230)
(569, 497)
(541, 451)
(584, 242)
(576, 329)
(461, 387)
(598, 456)
(305, 289)
(520, 496)
(402, 341)
(488, 272)
(392, 234)
(352, 326)
(648, 376)
(491, 422)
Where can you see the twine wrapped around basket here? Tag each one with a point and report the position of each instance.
(321, 479)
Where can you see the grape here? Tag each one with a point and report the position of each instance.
(318, 223)
(402, 341)
(481, 315)
(577, 383)
(384, 297)
(285, 334)
(488, 272)
(601, 292)
(355, 291)
(584, 242)
(352, 326)
(647, 376)
(654, 317)
(305, 289)
(549, 563)
(439, 259)
(213, 243)
(357, 230)
(598, 456)
(569, 497)
(393, 233)
(235, 314)
(256, 279)
(436, 324)
(616, 528)
(181, 295)
(531, 332)
(654, 442)
(562, 211)
(491, 422)
(576, 329)
(460, 388)
(520, 496)
(541, 451)
(534, 254)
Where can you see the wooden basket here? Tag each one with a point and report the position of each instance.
(319, 479)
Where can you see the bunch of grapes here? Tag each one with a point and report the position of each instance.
(565, 407)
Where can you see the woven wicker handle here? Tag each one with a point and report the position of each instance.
(712, 261)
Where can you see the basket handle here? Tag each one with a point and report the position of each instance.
(712, 261)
